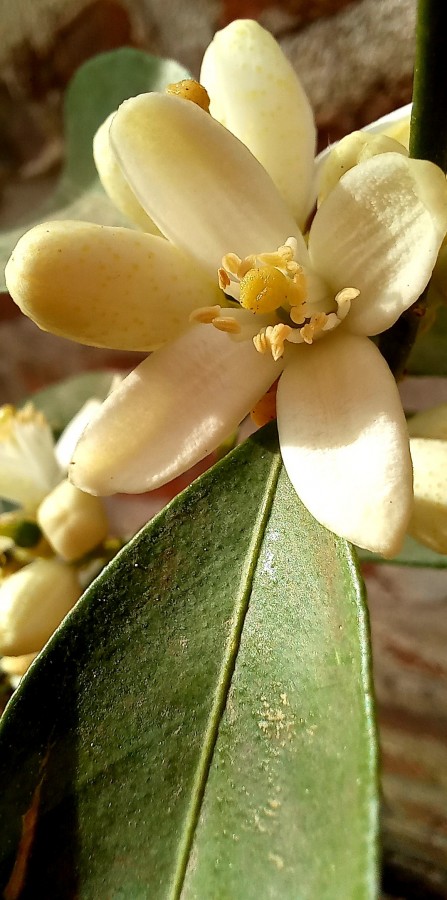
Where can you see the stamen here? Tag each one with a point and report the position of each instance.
(343, 300)
(223, 279)
(227, 324)
(272, 339)
(205, 314)
(190, 90)
(236, 266)
(10, 417)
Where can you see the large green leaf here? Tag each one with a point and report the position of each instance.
(97, 89)
(201, 725)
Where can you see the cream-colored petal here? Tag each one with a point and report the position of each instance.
(395, 124)
(16, 666)
(73, 522)
(380, 230)
(33, 603)
(428, 523)
(256, 94)
(109, 287)
(28, 466)
(431, 423)
(202, 186)
(114, 183)
(350, 151)
(67, 441)
(174, 409)
(344, 441)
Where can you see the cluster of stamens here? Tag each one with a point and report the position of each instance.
(275, 282)
(12, 418)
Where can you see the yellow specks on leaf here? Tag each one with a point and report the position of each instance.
(276, 860)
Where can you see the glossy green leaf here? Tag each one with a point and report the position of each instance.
(201, 725)
(412, 554)
(97, 89)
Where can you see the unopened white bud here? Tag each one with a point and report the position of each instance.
(353, 149)
(16, 666)
(73, 522)
(33, 602)
(429, 519)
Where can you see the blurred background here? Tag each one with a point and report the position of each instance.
(355, 59)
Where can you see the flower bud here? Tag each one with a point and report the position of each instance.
(73, 522)
(16, 666)
(353, 149)
(429, 519)
(33, 602)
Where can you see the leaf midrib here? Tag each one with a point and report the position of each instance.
(221, 695)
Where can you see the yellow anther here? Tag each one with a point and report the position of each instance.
(347, 293)
(231, 263)
(298, 314)
(227, 324)
(307, 333)
(272, 339)
(277, 337)
(10, 417)
(280, 257)
(223, 279)
(264, 289)
(190, 90)
(205, 314)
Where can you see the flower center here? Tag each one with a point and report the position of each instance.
(275, 283)
(12, 419)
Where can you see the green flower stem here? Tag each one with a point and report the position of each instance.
(428, 140)
(428, 137)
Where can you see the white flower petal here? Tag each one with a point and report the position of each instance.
(113, 181)
(395, 124)
(174, 409)
(33, 602)
(67, 441)
(429, 520)
(344, 441)
(202, 187)
(73, 522)
(256, 94)
(28, 466)
(380, 230)
(109, 287)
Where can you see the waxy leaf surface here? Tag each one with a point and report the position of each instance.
(201, 724)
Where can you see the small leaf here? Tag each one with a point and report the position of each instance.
(201, 725)
(62, 400)
(97, 89)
